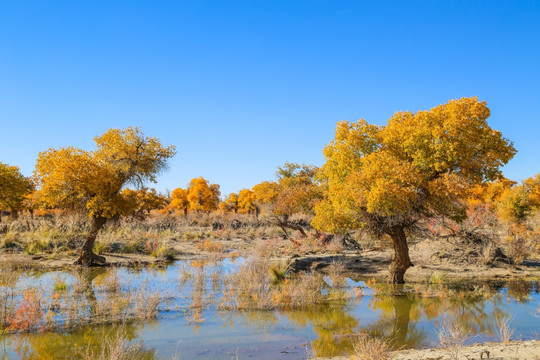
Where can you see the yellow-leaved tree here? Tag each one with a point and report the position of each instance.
(230, 203)
(297, 192)
(387, 179)
(532, 186)
(515, 207)
(14, 188)
(203, 196)
(246, 201)
(179, 200)
(93, 180)
(264, 194)
(143, 201)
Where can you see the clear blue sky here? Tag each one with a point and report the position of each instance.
(240, 87)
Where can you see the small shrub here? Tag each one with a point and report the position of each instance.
(371, 348)
(452, 336)
(504, 330)
(28, 315)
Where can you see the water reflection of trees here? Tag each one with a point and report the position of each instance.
(74, 345)
(336, 326)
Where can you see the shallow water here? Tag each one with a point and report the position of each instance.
(409, 318)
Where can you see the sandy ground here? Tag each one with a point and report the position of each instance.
(522, 350)
(519, 350)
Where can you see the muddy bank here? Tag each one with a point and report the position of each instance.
(519, 350)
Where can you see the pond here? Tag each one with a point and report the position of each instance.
(191, 323)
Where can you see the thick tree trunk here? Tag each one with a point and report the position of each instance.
(185, 212)
(88, 257)
(14, 214)
(401, 261)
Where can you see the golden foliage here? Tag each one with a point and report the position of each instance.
(246, 201)
(203, 196)
(93, 180)
(14, 187)
(230, 203)
(179, 200)
(143, 201)
(418, 164)
(489, 192)
(265, 192)
(297, 190)
(532, 186)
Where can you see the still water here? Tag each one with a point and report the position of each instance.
(408, 318)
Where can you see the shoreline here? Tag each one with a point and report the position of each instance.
(515, 350)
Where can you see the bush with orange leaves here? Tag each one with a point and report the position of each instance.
(28, 315)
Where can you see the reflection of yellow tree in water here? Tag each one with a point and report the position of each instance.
(74, 345)
(397, 322)
(399, 314)
(336, 327)
(333, 325)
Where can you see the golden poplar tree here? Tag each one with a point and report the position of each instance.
(179, 200)
(388, 178)
(93, 180)
(14, 188)
(264, 194)
(246, 201)
(203, 196)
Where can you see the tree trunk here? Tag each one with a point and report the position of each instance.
(14, 214)
(401, 261)
(185, 212)
(88, 257)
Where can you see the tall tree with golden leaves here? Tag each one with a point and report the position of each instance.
(93, 180)
(246, 201)
(388, 178)
(179, 200)
(264, 194)
(203, 196)
(297, 193)
(14, 188)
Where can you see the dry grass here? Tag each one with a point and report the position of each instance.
(261, 283)
(452, 335)
(87, 300)
(154, 235)
(504, 330)
(371, 348)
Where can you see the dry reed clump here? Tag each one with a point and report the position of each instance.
(452, 335)
(261, 283)
(89, 300)
(504, 330)
(371, 348)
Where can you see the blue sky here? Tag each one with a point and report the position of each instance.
(240, 87)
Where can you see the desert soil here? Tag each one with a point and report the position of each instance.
(519, 350)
